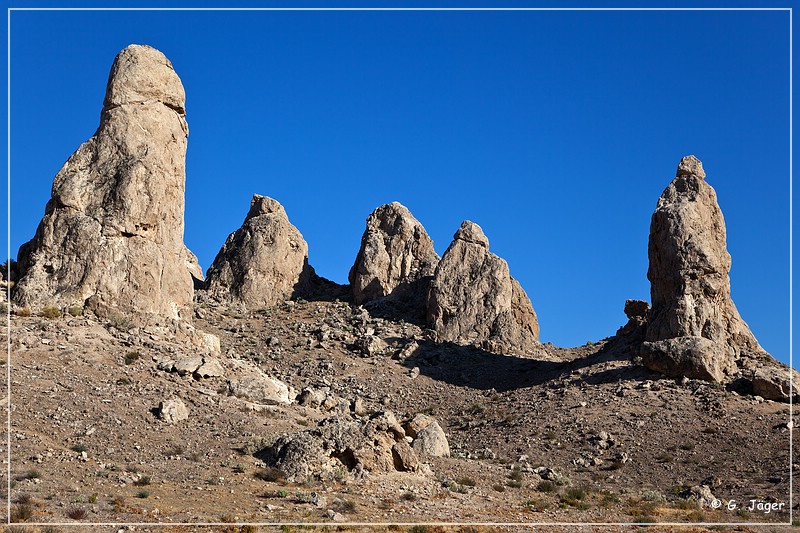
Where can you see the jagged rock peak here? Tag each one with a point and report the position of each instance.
(474, 300)
(471, 232)
(264, 262)
(396, 258)
(142, 74)
(264, 205)
(111, 238)
(690, 166)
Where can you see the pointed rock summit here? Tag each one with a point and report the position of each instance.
(693, 329)
(474, 300)
(112, 235)
(263, 263)
(396, 258)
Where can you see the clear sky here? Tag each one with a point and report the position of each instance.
(555, 131)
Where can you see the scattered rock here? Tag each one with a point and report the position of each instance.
(474, 300)
(263, 263)
(111, 239)
(396, 258)
(370, 345)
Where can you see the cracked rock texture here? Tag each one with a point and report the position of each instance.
(474, 300)
(263, 263)
(112, 234)
(396, 257)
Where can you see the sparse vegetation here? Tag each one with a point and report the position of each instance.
(466, 481)
(50, 311)
(21, 512)
(498, 487)
(546, 486)
(77, 513)
(710, 430)
(142, 481)
(79, 448)
(345, 506)
(132, 357)
(23, 311)
(30, 474)
(143, 494)
(75, 310)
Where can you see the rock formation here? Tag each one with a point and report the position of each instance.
(344, 444)
(112, 235)
(694, 329)
(396, 257)
(264, 262)
(474, 300)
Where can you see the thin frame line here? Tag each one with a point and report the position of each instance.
(431, 9)
(400, 9)
(8, 280)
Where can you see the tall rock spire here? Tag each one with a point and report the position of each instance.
(694, 328)
(112, 234)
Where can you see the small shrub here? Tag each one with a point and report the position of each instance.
(499, 488)
(696, 516)
(240, 469)
(687, 446)
(576, 493)
(50, 311)
(409, 496)
(142, 481)
(75, 310)
(711, 431)
(275, 494)
(118, 503)
(664, 458)
(24, 499)
(419, 529)
(77, 513)
(143, 494)
(23, 311)
(132, 357)
(22, 512)
(466, 481)
(345, 506)
(516, 474)
(30, 474)
(93, 498)
(79, 448)
(514, 484)
(546, 486)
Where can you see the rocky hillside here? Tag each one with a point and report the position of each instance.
(143, 391)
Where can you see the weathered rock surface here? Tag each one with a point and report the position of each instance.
(772, 383)
(690, 286)
(396, 257)
(344, 444)
(263, 263)
(474, 300)
(112, 235)
(431, 441)
(252, 384)
(173, 411)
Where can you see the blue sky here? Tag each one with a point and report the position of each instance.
(555, 131)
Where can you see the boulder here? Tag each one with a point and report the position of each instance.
(474, 300)
(690, 356)
(343, 444)
(690, 287)
(431, 442)
(111, 239)
(259, 387)
(772, 383)
(263, 263)
(173, 411)
(396, 258)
